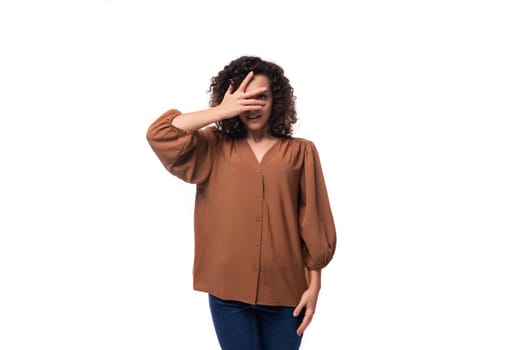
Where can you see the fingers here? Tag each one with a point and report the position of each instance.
(250, 109)
(244, 85)
(238, 100)
(298, 308)
(255, 92)
(296, 313)
(252, 102)
(230, 88)
(308, 316)
(246, 81)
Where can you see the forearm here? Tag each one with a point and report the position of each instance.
(196, 120)
(314, 279)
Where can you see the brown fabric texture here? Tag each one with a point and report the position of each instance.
(257, 226)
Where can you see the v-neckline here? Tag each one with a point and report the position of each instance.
(259, 162)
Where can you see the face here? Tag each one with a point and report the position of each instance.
(257, 121)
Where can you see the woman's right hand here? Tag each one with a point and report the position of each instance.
(233, 104)
(239, 101)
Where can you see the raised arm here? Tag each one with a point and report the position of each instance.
(233, 104)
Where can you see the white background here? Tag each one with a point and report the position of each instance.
(417, 109)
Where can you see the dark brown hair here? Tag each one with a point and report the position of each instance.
(283, 114)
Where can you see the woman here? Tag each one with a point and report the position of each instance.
(263, 224)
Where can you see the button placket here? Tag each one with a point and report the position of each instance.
(259, 193)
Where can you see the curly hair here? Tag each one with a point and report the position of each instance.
(284, 114)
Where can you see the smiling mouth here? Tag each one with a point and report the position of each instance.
(252, 117)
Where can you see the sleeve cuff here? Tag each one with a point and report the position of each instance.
(172, 114)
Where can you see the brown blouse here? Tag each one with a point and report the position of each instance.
(257, 225)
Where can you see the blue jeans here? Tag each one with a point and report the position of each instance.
(241, 326)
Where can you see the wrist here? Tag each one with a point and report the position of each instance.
(314, 286)
(219, 113)
(314, 280)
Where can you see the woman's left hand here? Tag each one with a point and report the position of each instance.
(308, 300)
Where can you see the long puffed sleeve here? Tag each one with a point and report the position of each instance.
(185, 154)
(316, 222)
